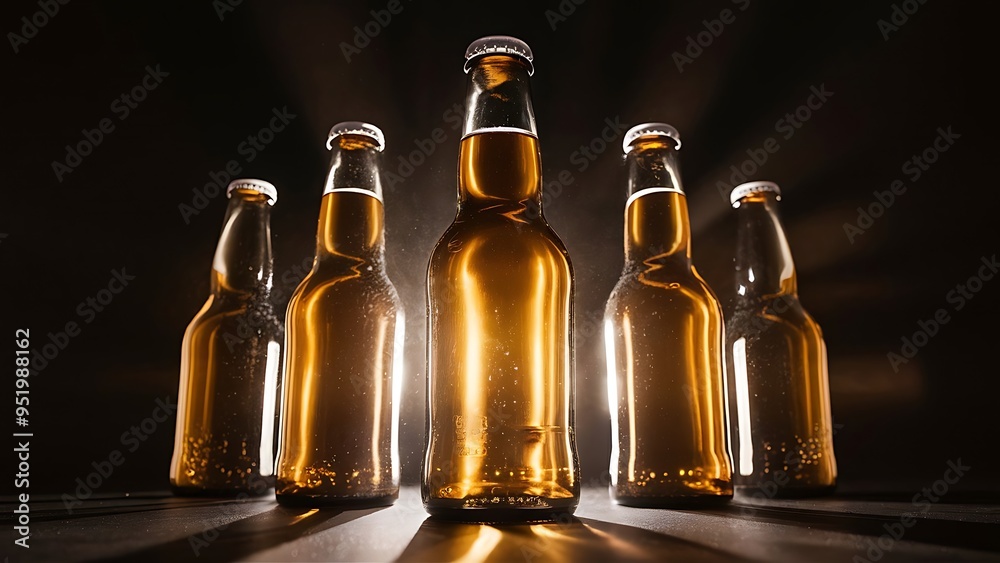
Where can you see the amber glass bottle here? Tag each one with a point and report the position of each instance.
(343, 376)
(231, 359)
(500, 443)
(782, 431)
(663, 338)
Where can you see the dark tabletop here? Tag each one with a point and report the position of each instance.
(158, 527)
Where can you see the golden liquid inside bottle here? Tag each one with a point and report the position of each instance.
(783, 436)
(500, 308)
(339, 430)
(664, 338)
(230, 364)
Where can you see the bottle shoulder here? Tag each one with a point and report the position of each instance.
(782, 314)
(340, 287)
(235, 319)
(646, 300)
(666, 278)
(498, 237)
(228, 303)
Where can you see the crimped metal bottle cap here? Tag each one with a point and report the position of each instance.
(356, 128)
(499, 44)
(266, 188)
(650, 130)
(747, 188)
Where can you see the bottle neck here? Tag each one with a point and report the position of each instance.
(656, 215)
(351, 225)
(243, 262)
(354, 165)
(499, 98)
(499, 161)
(500, 171)
(764, 266)
(351, 220)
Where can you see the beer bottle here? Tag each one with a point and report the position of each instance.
(663, 331)
(344, 350)
(500, 443)
(782, 435)
(230, 361)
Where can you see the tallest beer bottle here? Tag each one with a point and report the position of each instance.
(500, 443)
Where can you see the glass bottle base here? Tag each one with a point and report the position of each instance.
(456, 510)
(326, 501)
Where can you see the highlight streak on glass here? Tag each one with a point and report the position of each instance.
(694, 387)
(612, 367)
(474, 402)
(382, 332)
(630, 395)
(267, 413)
(398, 342)
(308, 386)
(538, 403)
(725, 394)
(568, 385)
(743, 406)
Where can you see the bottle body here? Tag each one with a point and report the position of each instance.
(782, 429)
(664, 333)
(500, 357)
(230, 366)
(500, 443)
(345, 328)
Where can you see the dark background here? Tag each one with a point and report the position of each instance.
(119, 207)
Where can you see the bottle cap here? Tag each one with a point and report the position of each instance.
(747, 188)
(499, 44)
(260, 186)
(650, 130)
(356, 128)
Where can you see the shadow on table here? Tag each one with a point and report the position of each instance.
(243, 538)
(832, 515)
(571, 539)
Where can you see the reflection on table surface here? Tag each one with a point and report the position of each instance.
(569, 539)
(158, 527)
